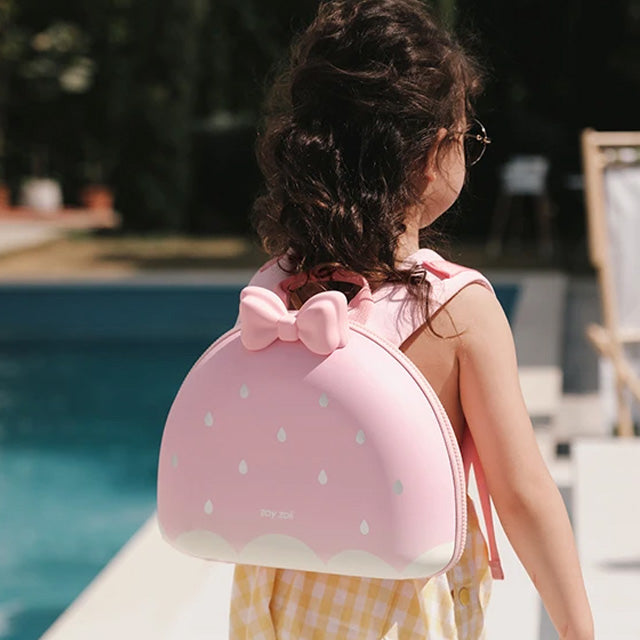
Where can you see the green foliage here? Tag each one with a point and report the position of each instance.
(197, 76)
(159, 98)
(153, 179)
(57, 61)
(242, 41)
(447, 12)
(12, 39)
(46, 72)
(12, 43)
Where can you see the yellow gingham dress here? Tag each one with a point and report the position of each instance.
(276, 604)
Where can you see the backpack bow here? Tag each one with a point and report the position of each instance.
(321, 324)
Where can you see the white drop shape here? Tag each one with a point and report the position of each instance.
(323, 400)
(174, 460)
(208, 419)
(282, 434)
(360, 437)
(397, 487)
(244, 391)
(364, 528)
(243, 468)
(322, 477)
(208, 507)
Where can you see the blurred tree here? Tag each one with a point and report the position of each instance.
(152, 178)
(6, 10)
(243, 42)
(12, 44)
(109, 24)
(48, 73)
(447, 11)
(55, 66)
(169, 77)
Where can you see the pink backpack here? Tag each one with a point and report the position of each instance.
(307, 440)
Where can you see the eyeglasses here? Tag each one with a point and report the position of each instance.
(475, 142)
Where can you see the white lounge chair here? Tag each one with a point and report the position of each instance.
(612, 188)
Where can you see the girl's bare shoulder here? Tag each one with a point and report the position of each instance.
(479, 319)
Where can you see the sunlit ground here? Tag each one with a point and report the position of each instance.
(83, 255)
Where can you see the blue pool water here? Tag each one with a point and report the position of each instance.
(87, 375)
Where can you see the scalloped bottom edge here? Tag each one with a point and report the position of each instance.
(287, 552)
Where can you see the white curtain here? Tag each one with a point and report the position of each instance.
(622, 193)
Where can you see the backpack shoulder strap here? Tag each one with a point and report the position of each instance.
(396, 315)
(448, 278)
(452, 279)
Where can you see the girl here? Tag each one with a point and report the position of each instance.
(367, 141)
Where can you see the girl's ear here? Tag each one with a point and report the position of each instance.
(431, 165)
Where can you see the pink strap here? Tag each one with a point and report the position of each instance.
(471, 458)
(454, 278)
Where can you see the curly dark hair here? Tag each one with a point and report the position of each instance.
(347, 128)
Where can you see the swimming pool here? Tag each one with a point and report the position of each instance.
(87, 375)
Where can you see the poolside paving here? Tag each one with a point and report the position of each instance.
(17, 236)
